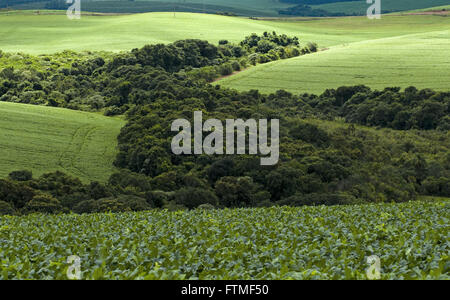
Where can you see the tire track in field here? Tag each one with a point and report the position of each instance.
(67, 159)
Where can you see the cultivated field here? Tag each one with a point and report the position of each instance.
(52, 32)
(419, 60)
(394, 51)
(360, 7)
(44, 139)
(410, 239)
(256, 8)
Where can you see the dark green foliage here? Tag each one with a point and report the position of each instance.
(15, 193)
(6, 209)
(310, 134)
(307, 11)
(43, 203)
(320, 162)
(114, 82)
(237, 192)
(194, 197)
(23, 175)
(318, 199)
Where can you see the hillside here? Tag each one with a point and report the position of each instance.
(387, 6)
(255, 8)
(419, 60)
(51, 32)
(44, 139)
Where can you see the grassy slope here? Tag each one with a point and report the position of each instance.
(44, 139)
(37, 34)
(396, 50)
(360, 7)
(420, 60)
(260, 8)
(240, 7)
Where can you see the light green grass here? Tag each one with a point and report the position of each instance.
(256, 8)
(37, 34)
(360, 7)
(420, 60)
(436, 8)
(44, 139)
(393, 51)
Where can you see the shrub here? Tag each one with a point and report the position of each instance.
(134, 203)
(15, 194)
(43, 203)
(6, 209)
(158, 198)
(84, 207)
(23, 175)
(226, 69)
(110, 205)
(313, 47)
(310, 133)
(194, 197)
(236, 191)
(236, 66)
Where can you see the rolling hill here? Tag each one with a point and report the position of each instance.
(51, 32)
(44, 139)
(394, 51)
(255, 8)
(419, 60)
(360, 7)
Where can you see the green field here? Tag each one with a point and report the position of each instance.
(410, 239)
(257, 8)
(360, 7)
(268, 8)
(419, 60)
(260, 8)
(393, 51)
(38, 34)
(44, 139)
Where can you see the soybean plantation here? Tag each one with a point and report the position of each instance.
(410, 239)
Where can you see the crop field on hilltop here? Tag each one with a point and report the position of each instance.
(360, 7)
(257, 8)
(419, 60)
(43, 139)
(410, 240)
(261, 8)
(52, 32)
(237, 7)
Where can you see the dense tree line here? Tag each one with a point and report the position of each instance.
(315, 2)
(392, 108)
(113, 81)
(8, 3)
(303, 10)
(322, 161)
